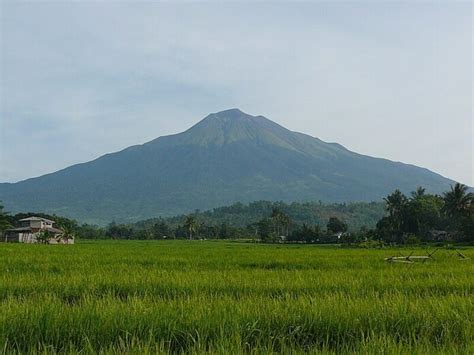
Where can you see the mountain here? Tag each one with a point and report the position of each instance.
(227, 157)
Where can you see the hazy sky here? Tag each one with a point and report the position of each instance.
(391, 80)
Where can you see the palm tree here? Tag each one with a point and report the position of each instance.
(276, 217)
(68, 233)
(286, 222)
(281, 221)
(395, 203)
(191, 225)
(419, 192)
(457, 202)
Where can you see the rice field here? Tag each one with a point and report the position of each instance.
(224, 297)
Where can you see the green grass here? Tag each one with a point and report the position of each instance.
(194, 297)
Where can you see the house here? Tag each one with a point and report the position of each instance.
(30, 229)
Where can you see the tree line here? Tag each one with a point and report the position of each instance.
(425, 217)
(401, 219)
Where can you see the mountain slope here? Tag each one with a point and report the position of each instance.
(227, 157)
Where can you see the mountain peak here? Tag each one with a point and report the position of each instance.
(232, 125)
(231, 114)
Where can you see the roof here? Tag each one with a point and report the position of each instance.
(34, 218)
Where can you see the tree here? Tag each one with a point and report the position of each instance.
(418, 193)
(43, 236)
(276, 218)
(4, 222)
(303, 233)
(281, 221)
(385, 230)
(264, 229)
(457, 202)
(86, 231)
(159, 230)
(395, 204)
(119, 231)
(68, 232)
(459, 208)
(422, 214)
(286, 223)
(191, 225)
(224, 231)
(335, 225)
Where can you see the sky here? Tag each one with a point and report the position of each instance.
(386, 79)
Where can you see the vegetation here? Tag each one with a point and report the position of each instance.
(231, 222)
(225, 297)
(4, 220)
(335, 225)
(222, 297)
(355, 214)
(421, 217)
(191, 226)
(43, 237)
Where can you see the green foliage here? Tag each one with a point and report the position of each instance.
(128, 297)
(68, 232)
(265, 230)
(458, 201)
(191, 225)
(43, 237)
(335, 225)
(355, 215)
(119, 231)
(4, 221)
(281, 222)
(415, 218)
(422, 215)
(307, 234)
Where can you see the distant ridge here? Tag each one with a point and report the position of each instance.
(227, 157)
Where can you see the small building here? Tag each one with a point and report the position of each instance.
(30, 229)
